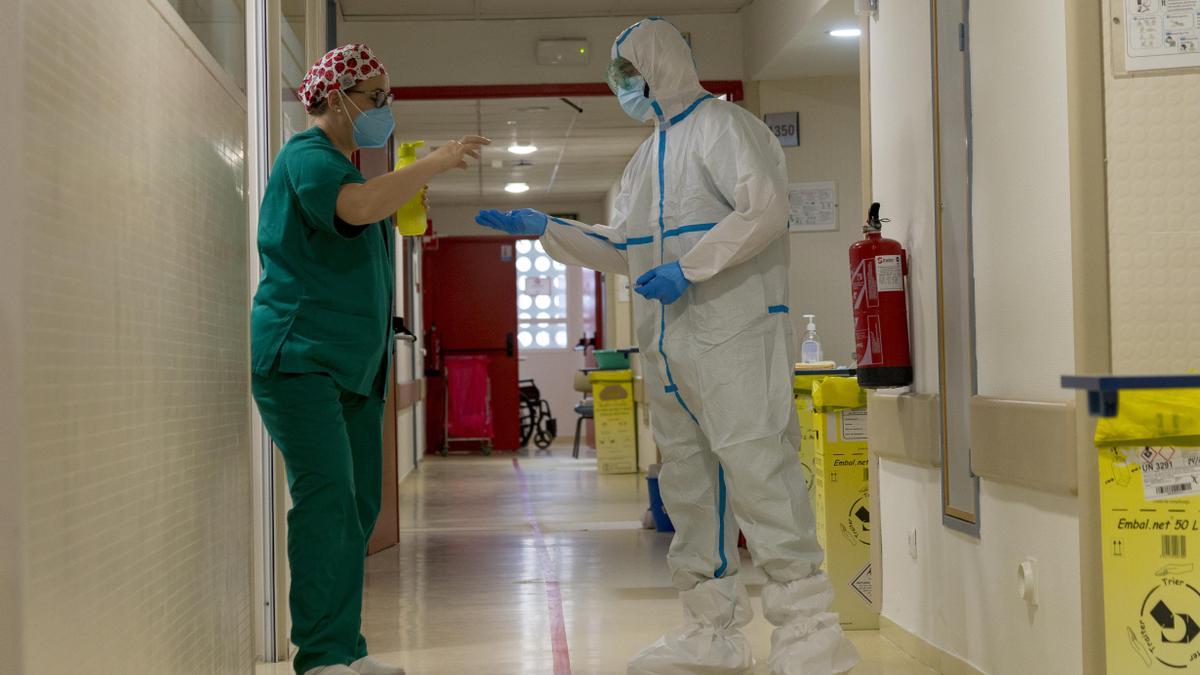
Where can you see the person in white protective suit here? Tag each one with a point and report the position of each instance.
(701, 221)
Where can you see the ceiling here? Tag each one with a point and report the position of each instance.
(811, 52)
(409, 10)
(580, 154)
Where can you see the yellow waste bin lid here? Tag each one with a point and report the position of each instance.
(611, 376)
(838, 393)
(1153, 417)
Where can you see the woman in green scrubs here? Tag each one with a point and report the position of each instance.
(321, 341)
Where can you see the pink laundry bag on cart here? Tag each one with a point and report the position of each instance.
(470, 414)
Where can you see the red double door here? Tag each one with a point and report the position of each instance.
(470, 303)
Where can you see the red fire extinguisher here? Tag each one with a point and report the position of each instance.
(878, 267)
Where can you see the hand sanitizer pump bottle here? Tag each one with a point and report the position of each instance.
(810, 349)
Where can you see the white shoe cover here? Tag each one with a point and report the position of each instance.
(709, 642)
(330, 670)
(368, 665)
(808, 639)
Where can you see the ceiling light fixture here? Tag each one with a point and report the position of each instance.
(845, 32)
(522, 149)
(516, 188)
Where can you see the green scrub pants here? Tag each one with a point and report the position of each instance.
(332, 445)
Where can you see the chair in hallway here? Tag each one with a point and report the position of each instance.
(585, 409)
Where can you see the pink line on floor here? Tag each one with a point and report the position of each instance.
(554, 604)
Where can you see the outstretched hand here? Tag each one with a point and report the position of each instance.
(522, 222)
(453, 155)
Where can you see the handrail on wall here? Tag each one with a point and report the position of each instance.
(1104, 390)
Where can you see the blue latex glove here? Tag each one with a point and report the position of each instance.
(522, 222)
(665, 283)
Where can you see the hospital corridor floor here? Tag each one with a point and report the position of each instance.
(535, 565)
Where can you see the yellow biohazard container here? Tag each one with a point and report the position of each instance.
(841, 497)
(802, 391)
(1150, 523)
(616, 423)
(411, 219)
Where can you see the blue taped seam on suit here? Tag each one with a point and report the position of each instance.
(634, 241)
(683, 115)
(720, 571)
(662, 328)
(777, 309)
(699, 227)
(620, 245)
(659, 112)
(624, 36)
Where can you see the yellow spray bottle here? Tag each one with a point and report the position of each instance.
(411, 219)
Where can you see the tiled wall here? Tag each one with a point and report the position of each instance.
(137, 461)
(11, 339)
(1153, 130)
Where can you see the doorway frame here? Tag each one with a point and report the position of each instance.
(264, 97)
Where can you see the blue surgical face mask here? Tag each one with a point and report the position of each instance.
(635, 104)
(373, 127)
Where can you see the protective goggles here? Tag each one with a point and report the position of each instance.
(621, 75)
(380, 98)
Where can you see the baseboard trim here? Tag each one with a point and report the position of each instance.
(939, 660)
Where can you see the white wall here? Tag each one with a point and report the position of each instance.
(406, 459)
(433, 53)
(829, 150)
(134, 297)
(959, 595)
(1024, 324)
(902, 165)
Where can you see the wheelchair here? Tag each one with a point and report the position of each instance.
(537, 421)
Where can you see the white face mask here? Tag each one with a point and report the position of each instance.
(633, 100)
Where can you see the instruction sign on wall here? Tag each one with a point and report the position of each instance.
(1161, 34)
(812, 207)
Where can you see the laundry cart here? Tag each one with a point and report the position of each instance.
(468, 402)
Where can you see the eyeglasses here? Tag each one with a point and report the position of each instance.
(621, 73)
(381, 98)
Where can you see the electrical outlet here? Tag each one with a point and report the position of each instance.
(1027, 581)
(912, 544)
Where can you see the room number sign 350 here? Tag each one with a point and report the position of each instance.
(785, 126)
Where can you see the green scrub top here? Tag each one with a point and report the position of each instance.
(324, 302)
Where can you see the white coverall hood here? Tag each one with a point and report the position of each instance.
(659, 52)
